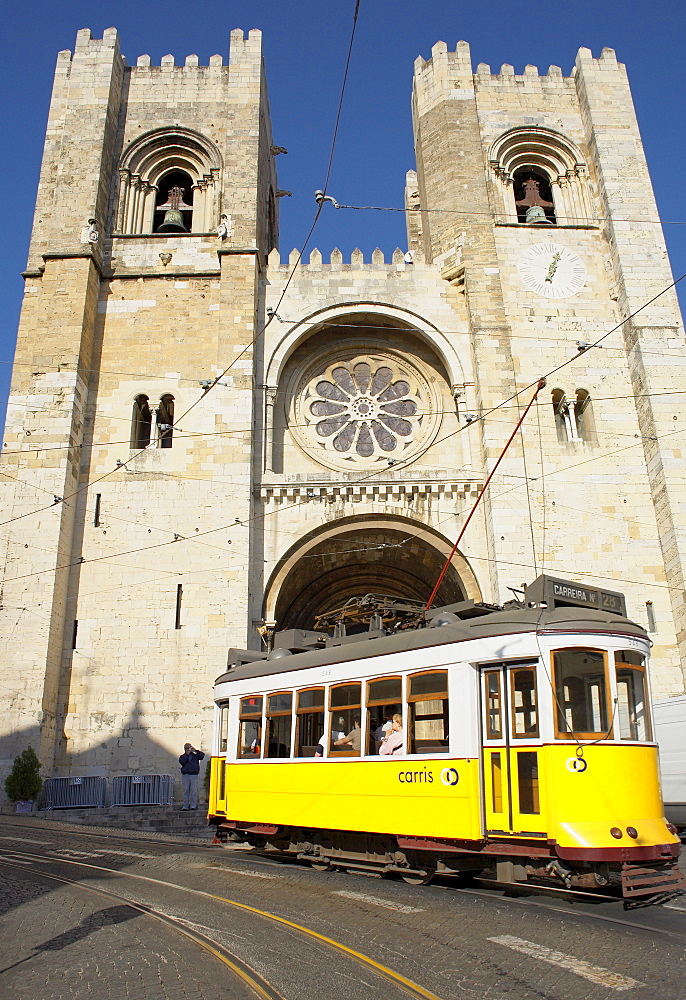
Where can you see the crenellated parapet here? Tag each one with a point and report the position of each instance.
(400, 261)
(445, 66)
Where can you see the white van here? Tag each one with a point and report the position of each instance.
(670, 734)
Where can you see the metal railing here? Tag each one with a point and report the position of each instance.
(74, 792)
(143, 790)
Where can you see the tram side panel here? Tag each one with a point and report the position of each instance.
(418, 796)
(423, 798)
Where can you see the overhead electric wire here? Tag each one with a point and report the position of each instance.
(399, 465)
(581, 221)
(249, 346)
(289, 425)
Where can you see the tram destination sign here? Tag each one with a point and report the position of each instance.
(565, 594)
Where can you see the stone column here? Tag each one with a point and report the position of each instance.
(269, 401)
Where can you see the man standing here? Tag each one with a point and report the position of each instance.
(190, 769)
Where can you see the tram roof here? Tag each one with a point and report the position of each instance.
(510, 621)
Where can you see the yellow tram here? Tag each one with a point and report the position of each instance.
(525, 746)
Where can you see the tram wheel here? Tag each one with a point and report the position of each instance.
(321, 864)
(418, 877)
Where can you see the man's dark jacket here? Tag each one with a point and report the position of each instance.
(190, 762)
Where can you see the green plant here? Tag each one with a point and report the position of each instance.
(24, 780)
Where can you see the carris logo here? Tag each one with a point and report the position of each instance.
(415, 777)
(449, 776)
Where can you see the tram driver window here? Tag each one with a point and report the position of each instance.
(344, 710)
(494, 708)
(581, 696)
(633, 715)
(524, 702)
(250, 728)
(309, 734)
(428, 705)
(223, 726)
(279, 706)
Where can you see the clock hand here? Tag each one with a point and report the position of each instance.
(553, 267)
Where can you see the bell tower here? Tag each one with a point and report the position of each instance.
(533, 199)
(155, 213)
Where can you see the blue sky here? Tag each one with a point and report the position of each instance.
(305, 44)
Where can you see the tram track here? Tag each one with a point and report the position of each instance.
(258, 984)
(506, 922)
(488, 889)
(262, 989)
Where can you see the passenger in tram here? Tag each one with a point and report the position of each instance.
(335, 735)
(353, 738)
(384, 728)
(394, 740)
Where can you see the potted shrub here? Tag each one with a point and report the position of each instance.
(23, 783)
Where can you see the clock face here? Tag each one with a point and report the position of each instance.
(551, 270)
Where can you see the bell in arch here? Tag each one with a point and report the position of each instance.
(173, 209)
(533, 205)
(536, 214)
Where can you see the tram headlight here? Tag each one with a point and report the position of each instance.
(672, 829)
(632, 831)
(616, 833)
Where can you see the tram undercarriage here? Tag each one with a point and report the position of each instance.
(650, 874)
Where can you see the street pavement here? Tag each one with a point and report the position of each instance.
(63, 942)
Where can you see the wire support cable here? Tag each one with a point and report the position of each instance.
(541, 385)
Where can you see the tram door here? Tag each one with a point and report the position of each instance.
(510, 763)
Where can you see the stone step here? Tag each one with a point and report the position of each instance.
(170, 820)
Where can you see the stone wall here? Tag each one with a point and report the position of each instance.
(130, 571)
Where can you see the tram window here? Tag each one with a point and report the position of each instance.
(223, 726)
(250, 727)
(309, 722)
(428, 700)
(632, 698)
(494, 709)
(496, 783)
(279, 724)
(524, 702)
(384, 697)
(581, 693)
(345, 714)
(527, 781)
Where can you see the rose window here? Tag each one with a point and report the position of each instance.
(364, 409)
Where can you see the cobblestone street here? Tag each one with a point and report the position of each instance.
(299, 932)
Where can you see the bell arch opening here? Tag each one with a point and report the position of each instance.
(383, 558)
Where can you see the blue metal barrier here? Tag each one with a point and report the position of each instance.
(74, 792)
(143, 790)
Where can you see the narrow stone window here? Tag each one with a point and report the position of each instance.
(573, 419)
(174, 203)
(96, 514)
(141, 422)
(165, 421)
(179, 598)
(650, 611)
(561, 411)
(533, 197)
(583, 415)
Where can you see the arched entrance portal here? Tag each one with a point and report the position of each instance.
(388, 557)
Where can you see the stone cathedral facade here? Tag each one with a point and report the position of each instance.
(204, 436)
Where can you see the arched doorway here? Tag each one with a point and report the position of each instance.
(383, 556)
